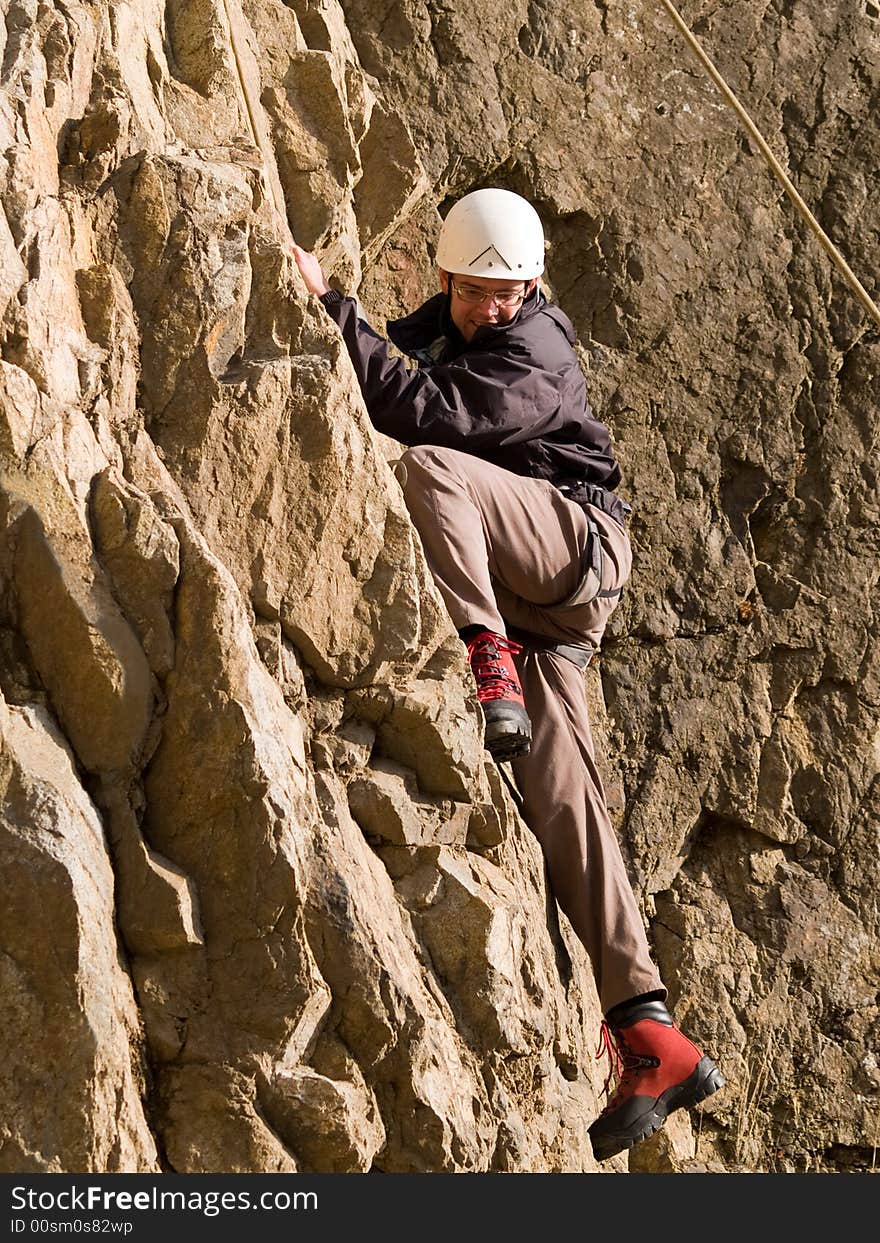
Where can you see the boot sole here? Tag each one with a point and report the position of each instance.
(506, 740)
(508, 733)
(704, 1080)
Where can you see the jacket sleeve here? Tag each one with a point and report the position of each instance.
(478, 402)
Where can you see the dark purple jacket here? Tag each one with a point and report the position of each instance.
(514, 394)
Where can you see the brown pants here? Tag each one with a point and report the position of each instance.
(504, 550)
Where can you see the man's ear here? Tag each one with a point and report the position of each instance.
(444, 280)
(531, 285)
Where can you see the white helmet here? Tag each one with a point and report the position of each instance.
(492, 233)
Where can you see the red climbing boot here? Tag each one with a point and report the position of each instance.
(658, 1070)
(508, 729)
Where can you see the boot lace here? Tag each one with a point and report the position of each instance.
(486, 655)
(625, 1063)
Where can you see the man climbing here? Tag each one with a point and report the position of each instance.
(510, 483)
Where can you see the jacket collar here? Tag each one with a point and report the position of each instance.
(428, 333)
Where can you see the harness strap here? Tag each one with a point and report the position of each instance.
(590, 584)
(579, 654)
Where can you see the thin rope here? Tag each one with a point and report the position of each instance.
(250, 112)
(514, 792)
(852, 280)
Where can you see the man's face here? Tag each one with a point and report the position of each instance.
(474, 300)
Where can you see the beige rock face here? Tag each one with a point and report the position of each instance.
(267, 906)
(71, 1027)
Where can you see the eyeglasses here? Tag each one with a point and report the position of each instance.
(502, 297)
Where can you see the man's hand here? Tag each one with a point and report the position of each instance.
(310, 270)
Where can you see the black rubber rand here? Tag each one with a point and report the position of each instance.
(641, 1116)
(508, 733)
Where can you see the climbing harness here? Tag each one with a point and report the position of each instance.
(852, 280)
(590, 585)
(579, 654)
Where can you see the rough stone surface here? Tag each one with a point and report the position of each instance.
(267, 907)
(71, 1029)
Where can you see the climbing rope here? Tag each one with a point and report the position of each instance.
(250, 108)
(852, 280)
(757, 137)
(514, 792)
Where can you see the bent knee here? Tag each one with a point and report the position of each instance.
(423, 462)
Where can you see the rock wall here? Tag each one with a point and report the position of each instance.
(267, 904)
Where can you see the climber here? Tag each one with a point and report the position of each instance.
(511, 484)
